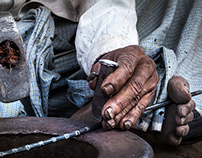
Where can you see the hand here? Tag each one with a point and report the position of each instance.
(132, 86)
(179, 114)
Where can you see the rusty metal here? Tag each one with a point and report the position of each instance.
(99, 99)
(14, 84)
(107, 67)
(81, 115)
(99, 143)
(69, 135)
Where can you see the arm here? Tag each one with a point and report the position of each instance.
(106, 26)
(109, 28)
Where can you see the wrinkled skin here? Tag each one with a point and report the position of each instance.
(177, 115)
(132, 85)
(180, 112)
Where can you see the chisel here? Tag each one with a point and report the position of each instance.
(99, 100)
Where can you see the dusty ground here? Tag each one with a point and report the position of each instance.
(185, 151)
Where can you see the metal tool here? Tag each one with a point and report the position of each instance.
(27, 130)
(77, 132)
(167, 102)
(14, 83)
(49, 141)
(99, 99)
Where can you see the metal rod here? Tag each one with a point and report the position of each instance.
(167, 102)
(78, 132)
(50, 140)
(64, 53)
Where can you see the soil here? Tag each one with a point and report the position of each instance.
(183, 151)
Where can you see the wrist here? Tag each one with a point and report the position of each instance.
(104, 45)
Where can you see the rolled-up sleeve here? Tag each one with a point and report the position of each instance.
(106, 26)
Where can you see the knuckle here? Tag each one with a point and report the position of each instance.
(191, 116)
(127, 64)
(191, 104)
(153, 84)
(136, 86)
(135, 48)
(120, 103)
(124, 111)
(140, 108)
(156, 76)
(151, 65)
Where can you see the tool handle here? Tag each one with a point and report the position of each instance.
(99, 99)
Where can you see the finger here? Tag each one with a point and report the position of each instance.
(92, 78)
(184, 120)
(127, 98)
(182, 131)
(184, 109)
(178, 90)
(132, 117)
(128, 63)
(117, 79)
(173, 139)
(112, 118)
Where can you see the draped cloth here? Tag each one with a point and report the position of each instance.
(170, 32)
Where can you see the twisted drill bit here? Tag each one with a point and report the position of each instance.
(79, 131)
(50, 140)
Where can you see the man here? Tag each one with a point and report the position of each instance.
(134, 82)
(108, 30)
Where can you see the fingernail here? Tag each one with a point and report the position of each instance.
(109, 113)
(108, 126)
(182, 121)
(184, 111)
(92, 76)
(176, 142)
(187, 88)
(111, 123)
(127, 124)
(184, 132)
(108, 89)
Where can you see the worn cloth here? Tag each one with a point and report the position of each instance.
(169, 33)
(97, 31)
(170, 36)
(52, 65)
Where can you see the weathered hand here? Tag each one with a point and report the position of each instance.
(132, 86)
(178, 91)
(177, 115)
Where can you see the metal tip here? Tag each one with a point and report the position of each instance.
(108, 63)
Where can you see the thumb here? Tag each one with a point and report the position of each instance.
(178, 90)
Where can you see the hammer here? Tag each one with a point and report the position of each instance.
(98, 101)
(14, 83)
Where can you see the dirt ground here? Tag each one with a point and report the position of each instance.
(183, 151)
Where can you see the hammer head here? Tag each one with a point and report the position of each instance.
(14, 83)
